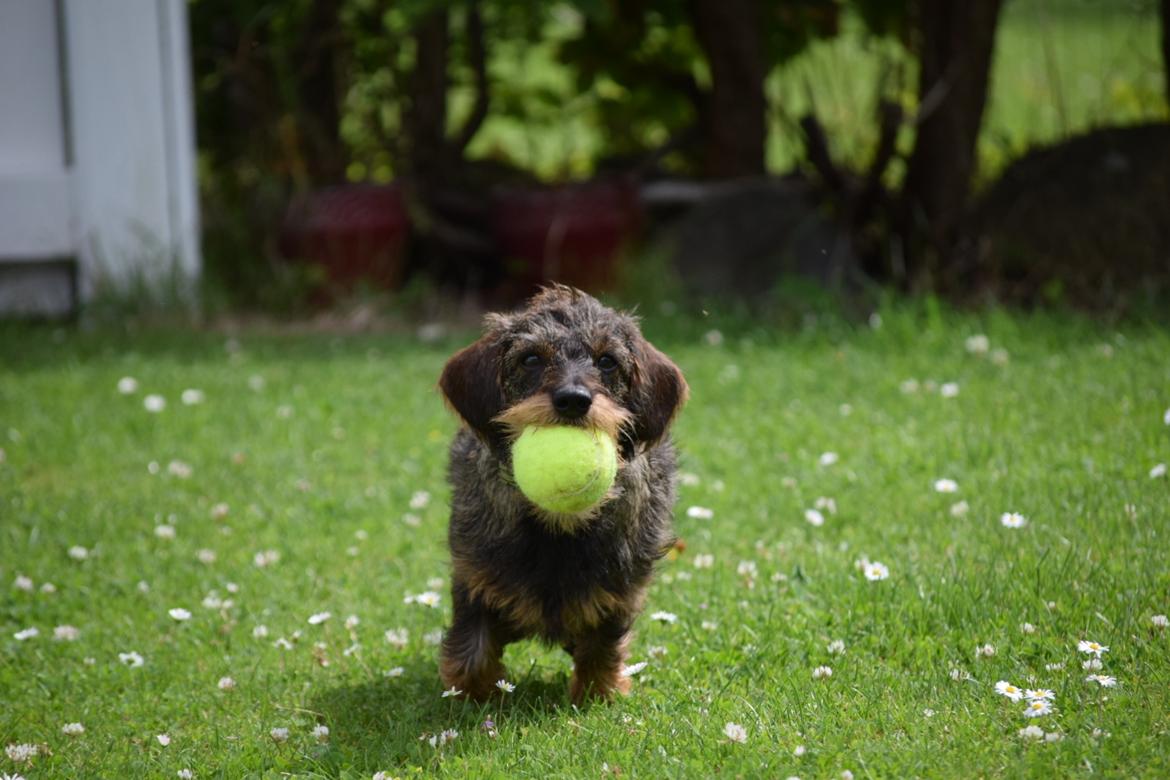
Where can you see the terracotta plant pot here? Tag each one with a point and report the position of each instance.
(573, 233)
(356, 233)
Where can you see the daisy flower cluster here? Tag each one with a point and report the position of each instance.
(1039, 702)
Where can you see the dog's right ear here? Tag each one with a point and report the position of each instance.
(471, 384)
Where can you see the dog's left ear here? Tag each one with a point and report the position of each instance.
(659, 392)
(471, 383)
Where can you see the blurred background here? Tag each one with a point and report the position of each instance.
(362, 159)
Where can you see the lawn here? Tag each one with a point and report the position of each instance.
(305, 485)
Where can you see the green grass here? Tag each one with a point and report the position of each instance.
(321, 465)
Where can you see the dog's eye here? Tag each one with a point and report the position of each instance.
(606, 363)
(532, 360)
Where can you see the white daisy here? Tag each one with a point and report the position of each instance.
(1005, 688)
(704, 561)
(180, 469)
(1159, 470)
(700, 513)
(73, 729)
(78, 553)
(396, 671)
(632, 669)
(949, 390)
(657, 651)
(318, 618)
(747, 569)
(226, 684)
(1012, 520)
(191, 396)
(1159, 621)
(946, 486)
(427, 599)
(164, 739)
(875, 570)
(154, 403)
(664, 617)
(828, 458)
(220, 511)
(419, 499)
(1085, 646)
(836, 647)
(1166, 417)
(27, 633)
(1104, 680)
(21, 753)
(735, 732)
(1092, 665)
(164, 531)
(179, 614)
(279, 734)
(452, 691)
(265, 558)
(185, 774)
(1037, 708)
(977, 344)
(959, 509)
(814, 517)
(131, 659)
(397, 637)
(320, 733)
(827, 504)
(66, 633)
(352, 622)
(1027, 628)
(48, 587)
(433, 637)
(1032, 732)
(127, 385)
(260, 632)
(505, 686)
(822, 672)
(23, 583)
(1033, 694)
(985, 651)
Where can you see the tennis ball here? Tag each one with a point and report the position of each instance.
(563, 469)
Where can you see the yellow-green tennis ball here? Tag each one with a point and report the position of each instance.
(563, 469)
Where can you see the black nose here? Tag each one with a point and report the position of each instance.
(572, 402)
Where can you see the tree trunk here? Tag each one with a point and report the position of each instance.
(427, 117)
(1164, 13)
(955, 43)
(319, 110)
(733, 119)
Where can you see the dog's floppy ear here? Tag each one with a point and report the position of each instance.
(659, 392)
(471, 383)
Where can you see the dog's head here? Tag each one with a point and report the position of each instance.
(565, 359)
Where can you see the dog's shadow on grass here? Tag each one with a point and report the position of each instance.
(385, 723)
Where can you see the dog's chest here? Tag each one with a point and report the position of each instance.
(557, 584)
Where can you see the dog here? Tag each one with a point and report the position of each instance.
(518, 571)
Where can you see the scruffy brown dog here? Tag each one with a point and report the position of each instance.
(518, 571)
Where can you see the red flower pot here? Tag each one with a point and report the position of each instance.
(572, 234)
(356, 233)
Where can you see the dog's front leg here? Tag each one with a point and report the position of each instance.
(599, 656)
(473, 648)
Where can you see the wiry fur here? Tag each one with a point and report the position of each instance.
(516, 571)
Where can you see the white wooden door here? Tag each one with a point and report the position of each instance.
(97, 150)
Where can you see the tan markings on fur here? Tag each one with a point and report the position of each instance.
(584, 615)
(470, 673)
(604, 415)
(522, 611)
(600, 676)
